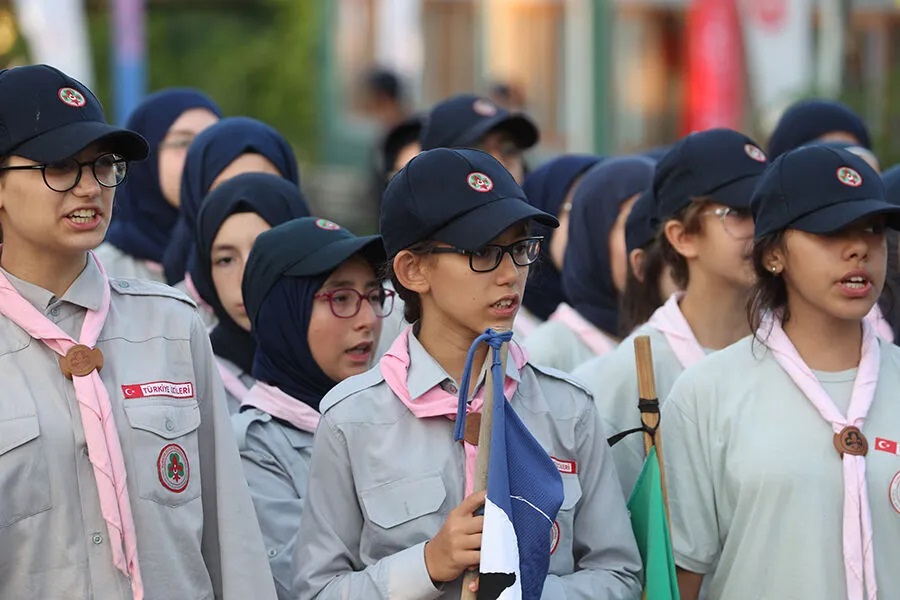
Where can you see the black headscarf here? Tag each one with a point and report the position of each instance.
(213, 150)
(143, 220)
(546, 188)
(274, 199)
(587, 276)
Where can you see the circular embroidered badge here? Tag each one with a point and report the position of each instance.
(755, 153)
(72, 97)
(894, 492)
(480, 182)
(554, 537)
(327, 225)
(173, 468)
(484, 108)
(849, 176)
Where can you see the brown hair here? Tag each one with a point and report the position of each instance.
(641, 298)
(769, 293)
(689, 216)
(412, 304)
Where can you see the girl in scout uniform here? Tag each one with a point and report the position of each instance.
(232, 146)
(390, 512)
(147, 202)
(316, 302)
(232, 217)
(119, 473)
(782, 450)
(702, 188)
(550, 189)
(593, 274)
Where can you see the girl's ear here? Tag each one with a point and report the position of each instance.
(683, 242)
(411, 271)
(773, 260)
(636, 263)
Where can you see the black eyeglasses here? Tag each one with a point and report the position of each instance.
(488, 257)
(62, 176)
(346, 302)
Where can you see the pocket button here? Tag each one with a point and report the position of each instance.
(170, 425)
(97, 538)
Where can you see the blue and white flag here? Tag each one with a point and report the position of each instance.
(524, 493)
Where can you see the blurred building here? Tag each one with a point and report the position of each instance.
(622, 75)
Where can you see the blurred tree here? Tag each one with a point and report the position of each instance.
(258, 59)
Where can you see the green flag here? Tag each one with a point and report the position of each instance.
(648, 520)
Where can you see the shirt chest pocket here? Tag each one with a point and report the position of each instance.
(24, 477)
(165, 452)
(403, 513)
(562, 534)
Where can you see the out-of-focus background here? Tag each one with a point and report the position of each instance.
(596, 75)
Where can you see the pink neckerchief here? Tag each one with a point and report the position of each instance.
(880, 324)
(436, 402)
(232, 382)
(272, 400)
(598, 342)
(669, 320)
(859, 562)
(101, 436)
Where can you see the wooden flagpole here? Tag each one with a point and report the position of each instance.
(647, 392)
(484, 446)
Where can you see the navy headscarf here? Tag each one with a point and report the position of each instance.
(142, 219)
(546, 188)
(274, 199)
(808, 120)
(283, 357)
(213, 150)
(587, 276)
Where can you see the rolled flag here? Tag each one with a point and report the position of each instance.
(651, 530)
(524, 493)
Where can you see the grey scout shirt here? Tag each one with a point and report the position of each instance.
(197, 543)
(276, 459)
(386, 480)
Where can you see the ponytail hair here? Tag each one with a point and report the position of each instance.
(641, 298)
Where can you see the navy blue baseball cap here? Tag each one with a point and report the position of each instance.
(301, 248)
(642, 223)
(819, 190)
(856, 149)
(47, 116)
(461, 121)
(720, 163)
(461, 197)
(807, 120)
(891, 179)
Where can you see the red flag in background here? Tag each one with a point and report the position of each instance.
(714, 90)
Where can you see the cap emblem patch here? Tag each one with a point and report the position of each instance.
(849, 176)
(480, 182)
(72, 97)
(484, 108)
(755, 153)
(327, 225)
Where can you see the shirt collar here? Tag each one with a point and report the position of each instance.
(86, 291)
(425, 372)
